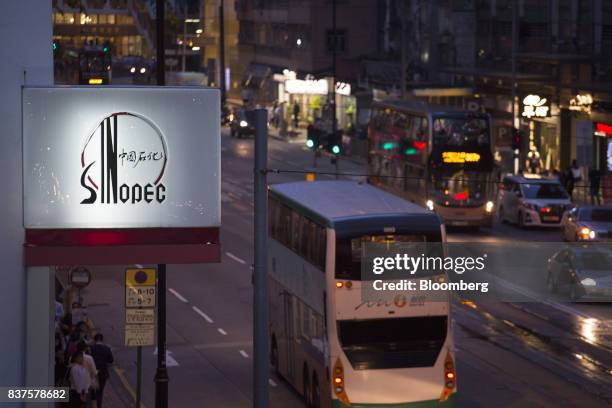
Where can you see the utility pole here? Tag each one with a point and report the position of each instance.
(515, 122)
(161, 374)
(184, 58)
(159, 23)
(222, 84)
(261, 363)
(333, 84)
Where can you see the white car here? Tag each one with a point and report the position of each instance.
(531, 201)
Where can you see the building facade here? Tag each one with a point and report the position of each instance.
(287, 47)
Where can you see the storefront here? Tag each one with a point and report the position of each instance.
(312, 97)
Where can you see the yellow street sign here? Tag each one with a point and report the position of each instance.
(135, 277)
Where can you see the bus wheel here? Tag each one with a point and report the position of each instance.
(316, 392)
(274, 356)
(307, 391)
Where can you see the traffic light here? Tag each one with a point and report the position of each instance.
(106, 47)
(334, 143)
(313, 138)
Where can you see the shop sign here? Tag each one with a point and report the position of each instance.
(119, 158)
(603, 129)
(535, 106)
(315, 87)
(581, 103)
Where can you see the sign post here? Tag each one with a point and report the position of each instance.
(140, 300)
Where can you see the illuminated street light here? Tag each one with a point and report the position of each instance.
(196, 48)
(199, 31)
(298, 42)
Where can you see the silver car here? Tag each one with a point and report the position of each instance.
(581, 272)
(588, 223)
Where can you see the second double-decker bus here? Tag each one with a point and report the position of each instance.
(337, 349)
(438, 157)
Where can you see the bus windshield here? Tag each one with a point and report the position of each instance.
(392, 343)
(460, 132)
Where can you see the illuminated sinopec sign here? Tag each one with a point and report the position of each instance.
(535, 106)
(121, 157)
(460, 157)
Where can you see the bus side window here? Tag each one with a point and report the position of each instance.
(304, 238)
(313, 243)
(322, 248)
(285, 226)
(295, 231)
(272, 218)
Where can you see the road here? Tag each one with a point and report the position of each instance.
(518, 354)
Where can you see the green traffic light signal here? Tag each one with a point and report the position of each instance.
(336, 149)
(106, 48)
(54, 46)
(310, 143)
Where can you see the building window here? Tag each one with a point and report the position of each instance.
(340, 41)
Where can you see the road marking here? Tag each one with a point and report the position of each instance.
(139, 266)
(201, 313)
(178, 295)
(235, 258)
(244, 354)
(170, 361)
(223, 332)
(272, 382)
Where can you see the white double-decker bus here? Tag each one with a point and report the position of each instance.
(334, 348)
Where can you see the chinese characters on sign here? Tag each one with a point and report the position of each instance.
(581, 103)
(535, 106)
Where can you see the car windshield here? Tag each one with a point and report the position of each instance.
(544, 190)
(461, 132)
(596, 214)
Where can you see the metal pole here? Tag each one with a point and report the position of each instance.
(159, 23)
(138, 375)
(513, 85)
(334, 52)
(161, 376)
(184, 62)
(222, 84)
(260, 291)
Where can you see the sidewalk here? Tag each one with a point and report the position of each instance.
(294, 136)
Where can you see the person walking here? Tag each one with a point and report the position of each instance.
(296, 114)
(79, 382)
(595, 182)
(576, 176)
(90, 365)
(103, 357)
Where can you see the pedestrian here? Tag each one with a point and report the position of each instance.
(595, 182)
(576, 174)
(90, 365)
(569, 181)
(79, 382)
(296, 114)
(103, 357)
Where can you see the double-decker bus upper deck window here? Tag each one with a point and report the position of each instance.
(349, 250)
(460, 131)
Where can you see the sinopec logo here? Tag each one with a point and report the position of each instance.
(123, 161)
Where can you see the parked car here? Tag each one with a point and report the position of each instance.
(588, 223)
(582, 272)
(532, 201)
(241, 124)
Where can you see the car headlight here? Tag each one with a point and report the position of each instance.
(133, 69)
(430, 205)
(588, 282)
(143, 70)
(587, 233)
(243, 123)
(489, 206)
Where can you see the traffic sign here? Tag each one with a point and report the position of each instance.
(138, 335)
(140, 296)
(139, 316)
(80, 276)
(140, 277)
